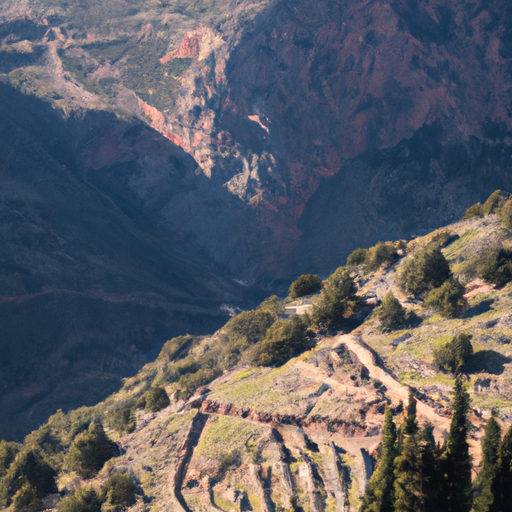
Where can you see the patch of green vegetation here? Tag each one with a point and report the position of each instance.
(455, 249)
(177, 422)
(224, 504)
(434, 319)
(225, 434)
(77, 70)
(110, 50)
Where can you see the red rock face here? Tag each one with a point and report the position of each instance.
(337, 80)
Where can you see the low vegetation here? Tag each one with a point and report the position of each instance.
(305, 284)
(89, 451)
(428, 269)
(448, 299)
(337, 301)
(381, 254)
(454, 355)
(495, 266)
(391, 313)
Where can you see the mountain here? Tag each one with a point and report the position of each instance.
(302, 432)
(306, 118)
(91, 281)
(235, 140)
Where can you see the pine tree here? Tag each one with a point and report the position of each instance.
(379, 491)
(430, 474)
(456, 461)
(490, 454)
(407, 486)
(502, 485)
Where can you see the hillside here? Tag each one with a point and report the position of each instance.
(92, 284)
(323, 126)
(303, 435)
(247, 140)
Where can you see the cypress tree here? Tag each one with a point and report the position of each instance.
(456, 461)
(502, 485)
(407, 486)
(490, 454)
(379, 491)
(430, 474)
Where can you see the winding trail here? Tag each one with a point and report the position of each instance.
(395, 390)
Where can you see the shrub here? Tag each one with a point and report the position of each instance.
(337, 301)
(448, 299)
(380, 254)
(305, 285)
(8, 452)
(493, 203)
(154, 399)
(455, 354)
(122, 419)
(495, 266)
(274, 305)
(251, 325)
(391, 313)
(284, 340)
(506, 214)
(26, 499)
(85, 499)
(90, 450)
(428, 269)
(119, 492)
(191, 381)
(357, 257)
(28, 468)
(473, 211)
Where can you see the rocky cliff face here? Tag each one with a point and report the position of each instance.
(303, 117)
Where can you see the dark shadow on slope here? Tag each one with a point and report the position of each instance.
(479, 309)
(488, 361)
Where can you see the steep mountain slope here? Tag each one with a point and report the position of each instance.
(349, 119)
(91, 283)
(303, 434)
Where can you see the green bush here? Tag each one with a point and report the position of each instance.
(337, 301)
(122, 419)
(89, 451)
(8, 452)
(495, 266)
(357, 257)
(154, 400)
(26, 499)
(391, 313)
(427, 270)
(119, 492)
(28, 468)
(379, 255)
(493, 203)
(191, 381)
(454, 355)
(274, 305)
(448, 299)
(85, 499)
(473, 211)
(284, 340)
(506, 214)
(251, 325)
(305, 284)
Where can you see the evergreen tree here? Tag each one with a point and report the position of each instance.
(407, 486)
(502, 485)
(490, 454)
(90, 450)
(456, 461)
(391, 314)
(430, 474)
(379, 491)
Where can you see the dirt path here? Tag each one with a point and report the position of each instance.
(395, 390)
